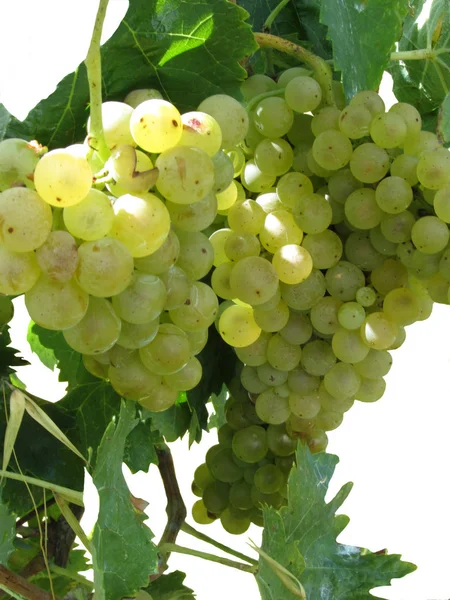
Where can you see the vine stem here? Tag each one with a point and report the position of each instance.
(211, 557)
(424, 54)
(205, 538)
(274, 14)
(12, 582)
(94, 71)
(321, 68)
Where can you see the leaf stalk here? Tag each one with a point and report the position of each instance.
(211, 557)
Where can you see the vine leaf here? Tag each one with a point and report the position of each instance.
(424, 83)
(188, 53)
(169, 587)
(363, 35)
(302, 538)
(7, 533)
(119, 531)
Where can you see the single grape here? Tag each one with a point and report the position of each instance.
(128, 175)
(405, 166)
(371, 390)
(358, 250)
(397, 228)
(362, 210)
(332, 150)
(272, 320)
(134, 337)
(198, 311)
(257, 84)
(162, 259)
(201, 515)
(282, 355)
(272, 408)
(325, 119)
(291, 186)
(237, 326)
(302, 296)
(348, 346)
(142, 301)
(303, 94)
(273, 117)
(279, 229)
(354, 121)
(370, 100)
(200, 130)
(393, 194)
(19, 271)
(312, 213)
(18, 160)
(341, 184)
(255, 354)
(324, 313)
(116, 124)
(240, 495)
(254, 280)
(178, 287)
(342, 381)
(343, 280)
(378, 331)
(231, 116)
(136, 97)
(388, 130)
(254, 179)
(318, 357)
(304, 407)
(215, 497)
(325, 249)
(433, 169)
(196, 254)
(288, 74)
(351, 314)
(274, 157)
(246, 217)
(250, 444)
(90, 219)
(271, 376)
(293, 263)
(388, 276)
(233, 523)
(401, 307)
(410, 115)
(268, 479)
(369, 163)
(430, 235)
(168, 352)
(155, 125)
(242, 246)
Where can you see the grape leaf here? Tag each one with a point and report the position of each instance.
(443, 121)
(363, 35)
(218, 418)
(424, 83)
(8, 355)
(170, 587)
(302, 538)
(140, 450)
(171, 423)
(185, 49)
(119, 531)
(7, 533)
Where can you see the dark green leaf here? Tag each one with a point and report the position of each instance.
(170, 587)
(302, 538)
(218, 400)
(424, 83)
(8, 355)
(171, 423)
(140, 450)
(188, 50)
(443, 122)
(363, 35)
(7, 533)
(119, 531)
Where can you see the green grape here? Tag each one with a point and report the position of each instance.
(251, 382)
(424, 141)
(270, 202)
(250, 444)
(223, 468)
(291, 186)
(25, 219)
(252, 138)
(272, 320)
(142, 301)
(90, 219)
(380, 243)
(268, 479)
(317, 441)
(155, 125)
(55, 305)
(330, 403)
(425, 302)
(369, 163)
(405, 252)
(366, 296)
(348, 346)
(162, 259)
(405, 166)
(371, 390)
(393, 195)
(227, 198)
(105, 267)
(359, 251)
(272, 408)
(397, 228)
(196, 254)
(223, 171)
(273, 117)
(94, 367)
(301, 131)
(297, 427)
(231, 116)
(444, 264)
(325, 119)
(280, 443)
(240, 495)
(401, 307)
(410, 115)
(255, 354)
(318, 358)
(313, 166)
(218, 239)
(168, 352)
(236, 417)
(234, 524)
(220, 281)
(370, 100)
(441, 203)
(256, 85)
(293, 263)
(254, 281)
(376, 364)
(332, 150)
(304, 295)
(329, 420)
(225, 436)
(116, 124)
(19, 271)
(343, 280)
(178, 287)
(136, 97)
(215, 497)
(282, 355)
(324, 315)
(255, 180)
(354, 121)
(388, 276)
(388, 130)
(325, 249)
(246, 217)
(186, 174)
(279, 230)
(199, 311)
(6, 310)
(301, 382)
(193, 217)
(271, 376)
(342, 381)
(201, 515)
(287, 75)
(237, 326)
(18, 160)
(341, 184)
(63, 178)
(430, 235)
(97, 331)
(304, 161)
(58, 256)
(273, 301)
(433, 169)
(438, 289)
(313, 213)
(260, 499)
(237, 157)
(423, 265)
(304, 406)
(239, 246)
(303, 94)
(134, 337)
(274, 156)
(378, 331)
(362, 210)
(351, 314)
(200, 130)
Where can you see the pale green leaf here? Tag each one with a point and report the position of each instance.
(16, 411)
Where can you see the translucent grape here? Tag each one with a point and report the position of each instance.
(362, 210)
(6, 310)
(268, 479)
(270, 202)
(233, 523)
(272, 319)
(116, 124)
(388, 276)
(388, 130)
(282, 355)
(142, 301)
(246, 217)
(255, 354)
(312, 165)
(291, 186)
(254, 280)
(134, 337)
(168, 352)
(237, 157)
(378, 331)
(130, 174)
(178, 287)
(200, 130)
(441, 203)
(18, 160)
(198, 311)
(223, 171)
(19, 271)
(324, 315)
(370, 100)
(90, 219)
(332, 150)
(193, 217)
(272, 408)
(286, 76)
(405, 166)
(274, 157)
(130, 378)
(241, 246)
(160, 399)
(255, 180)
(162, 259)
(293, 263)
(220, 281)
(397, 228)
(303, 94)
(393, 194)
(156, 125)
(251, 382)
(343, 280)
(325, 119)
(324, 248)
(348, 346)
(313, 213)
(280, 443)
(200, 514)
(424, 141)
(302, 296)
(197, 340)
(257, 84)
(341, 184)
(231, 116)
(369, 163)
(304, 407)
(329, 420)
(271, 376)
(351, 314)
(237, 326)
(376, 364)
(354, 121)
(215, 497)
(433, 169)
(359, 251)
(228, 197)
(410, 115)
(342, 381)
(196, 254)
(401, 307)
(371, 390)
(273, 117)
(136, 97)
(279, 229)
(250, 444)
(318, 357)
(430, 235)
(222, 466)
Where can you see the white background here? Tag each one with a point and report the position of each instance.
(396, 450)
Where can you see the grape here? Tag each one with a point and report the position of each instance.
(97, 331)
(55, 305)
(234, 524)
(348, 346)
(168, 352)
(270, 202)
(302, 159)
(241, 246)
(438, 289)
(343, 280)
(198, 311)
(291, 186)
(303, 94)
(342, 381)
(293, 263)
(441, 203)
(220, 281)
(312, 165)
(240, 495)
(19, 271)
(134, 337)
(196, 254)
(215, 496)
(325, 119)
(397, 228)
(376, 364)
(255, 180)
(430, 235)
(251, 382)
(282, 355)
(313, 213)
(227, 198)
(90, 219)
(136, 97)
(105, 267)
(423, 265)
(237, 157)
(317, 441)
(405, 166)
(254, 280)
(393, 194)
(256, 85)
(237, 326)
(424, 141)
(193, 217)
(273, 117)
(354, 121)
(329, 420)
(362, 210)
(370, 100)
(162, 259)
(231, 116)
(332, 150)
(388, 130)
(62, 178)
(156, 125)
(142, 301)
(272, 408)
(202, 476)
(381, 244)
(378, 331)
(268, 479)
(324, 248)
(177, 286)
(274, 157)
(388, 276)
(6, 310)
(302, 296)
(401, 307)
(410, 115)
(301, 382)
(359, 251)
(223, 468)
(318, 357)
(366, 296)
(130, 378)
(200, 130)
(279, 230)
(330, 403)
(271, 320)
(116, 124)
(351, 314)
(255, 354)
(280, 443)
(304, 407)
(286, 76)
(369, 163)
(371, 390)
(271, 376)
(250, 444)
(200, 514)
(301, 131)
(130, 174)
(341, 184)
(18, 160)
(433, 169)
(246, 217)
(260, 499)
(95, 367)
(324, 315)
(58, 256)
(223, 171)
(197, 340)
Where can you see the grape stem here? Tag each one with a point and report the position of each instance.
(93, 64)
(16, 584)
(424, 54)
(212, 557)
(205, 538)
(321, 68)
(257, 99)
(274, 14)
